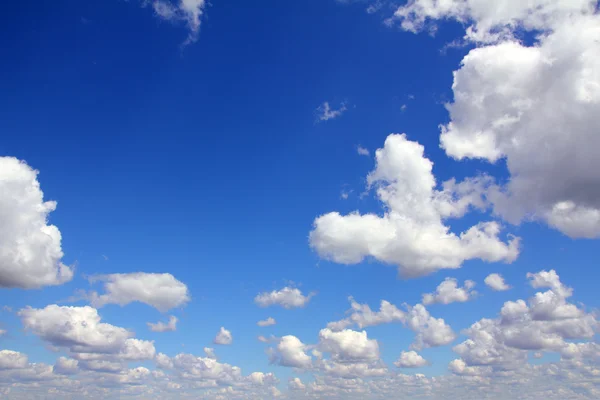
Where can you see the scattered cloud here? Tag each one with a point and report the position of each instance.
(290, 352)
(362, 151)
(223, 337)
(188, 11)
(287, 298)
(325, 112)
(161, 291)
(160, 326)
(496, 282)
(267, 322)
(410, 359)
(30, 249)
(449, 292)
(411, 233)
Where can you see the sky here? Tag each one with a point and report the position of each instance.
(326, 199)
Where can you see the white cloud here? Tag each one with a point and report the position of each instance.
(410, 359)
(223, 337)
(81, 332)
(12, 359)
(546, 323)
(348, 345)
(287, 298)
(502, 94)
(66, 366)
(490, 21)
(362, 151)
(496, 282)
(325, 112)
(267, 322)
(161, 291)
(296, 384)
(290, 352)
(411, 233)
(449, 292)
(431, 332)
(362, 316)
(160, 326)
(189, 11)
(30, 249)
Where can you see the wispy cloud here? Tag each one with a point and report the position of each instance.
(325, 112)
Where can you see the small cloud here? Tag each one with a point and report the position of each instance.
(403, 107)
(362, 151)
(162, 327)
(267, 322)
(373, 8)
(224, 337)
(189, 12)
(344, 196)
(6, 309)
(105, 257)
(325, 112)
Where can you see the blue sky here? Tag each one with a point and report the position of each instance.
(201, 149)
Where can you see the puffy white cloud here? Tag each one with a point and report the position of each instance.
(411, 233)
(12, 359)
(348, 345)
(66, 366)
(267, 322)
(490, 21)
(160, 326)
(189, 11)
(81, 332)
(290, 352)
(546, 323)
(210, 353)
(287, 298)
(161, 291)
(296, 384)
(362, 316)
(325, 112)
(502, 96)
(410, 359)
(496, 282)
(223, 337)
(30, 249)
(431, 332)
(448, 292)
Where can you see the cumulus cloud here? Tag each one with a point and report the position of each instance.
(12, 359)
(430, 331)
(546, 323)
(362, 316)
(161, 291)
(410, 359)
(290, 352)
(188, 11)
(287, 298)
(496, 282)
(267, 322)
(66, 366)
(325, 112)
(223, 337)
(449, 292)
(348, 345)
(80, 331)
(30, 248)
(411, 233)
(160, 326)
(503, 92)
